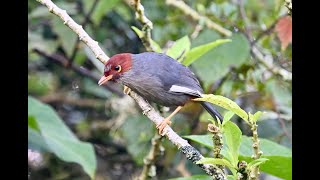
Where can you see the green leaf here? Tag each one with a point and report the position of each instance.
(257, 115)
(59, 139)
(36, 141)
(225, 103)
(257, 162)
(181, 46)
(101, 9)
(227, 117)
(214, 161)
(232, 134)
(231, 177)
(280, 157)
(194, 177)
(197, 52)
(32, 123)
(153, 43)
(216, 63)
(205, 140)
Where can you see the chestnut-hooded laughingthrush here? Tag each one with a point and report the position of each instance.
(157, 78)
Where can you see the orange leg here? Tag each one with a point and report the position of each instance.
(167, 121)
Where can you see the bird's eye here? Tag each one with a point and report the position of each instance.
(117, 68)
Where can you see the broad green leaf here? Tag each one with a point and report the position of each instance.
(197, 52)
(280, 157)
(194, 177)
(36, 141)
(153, 43)
(225, 103)
(231, 177)
(59, 139)
(67, 37)
(101, 9)
(257, 162)
(216, 63)
(180, 47)
(232, 135)
(227, 117)
(268, 147)
(205, 140)
(213, 161)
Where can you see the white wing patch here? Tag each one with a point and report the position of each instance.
(185, 90)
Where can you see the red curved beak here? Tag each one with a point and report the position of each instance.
(104, 79)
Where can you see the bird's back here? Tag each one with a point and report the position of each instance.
(156, 72)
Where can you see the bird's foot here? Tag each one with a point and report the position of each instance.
(163, 124)
(126, 90)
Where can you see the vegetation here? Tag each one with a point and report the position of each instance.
(239, 50)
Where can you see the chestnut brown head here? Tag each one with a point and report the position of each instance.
(115, 67)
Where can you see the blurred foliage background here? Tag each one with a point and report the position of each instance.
(254, 70)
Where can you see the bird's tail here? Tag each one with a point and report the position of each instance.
(211, 110)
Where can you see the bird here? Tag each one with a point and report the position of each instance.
(157, 78)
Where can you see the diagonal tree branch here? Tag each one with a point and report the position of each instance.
(78, 29)
(182, 144)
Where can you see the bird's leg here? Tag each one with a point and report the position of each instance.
(167, 121)
(126, 89)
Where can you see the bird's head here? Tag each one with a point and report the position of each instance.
(115, 67)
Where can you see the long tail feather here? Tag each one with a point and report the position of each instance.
(211, 110)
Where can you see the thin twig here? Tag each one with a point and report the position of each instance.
(196, 16)
(265, 32)
(182, 144)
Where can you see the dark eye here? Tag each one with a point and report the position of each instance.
(117, 68)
